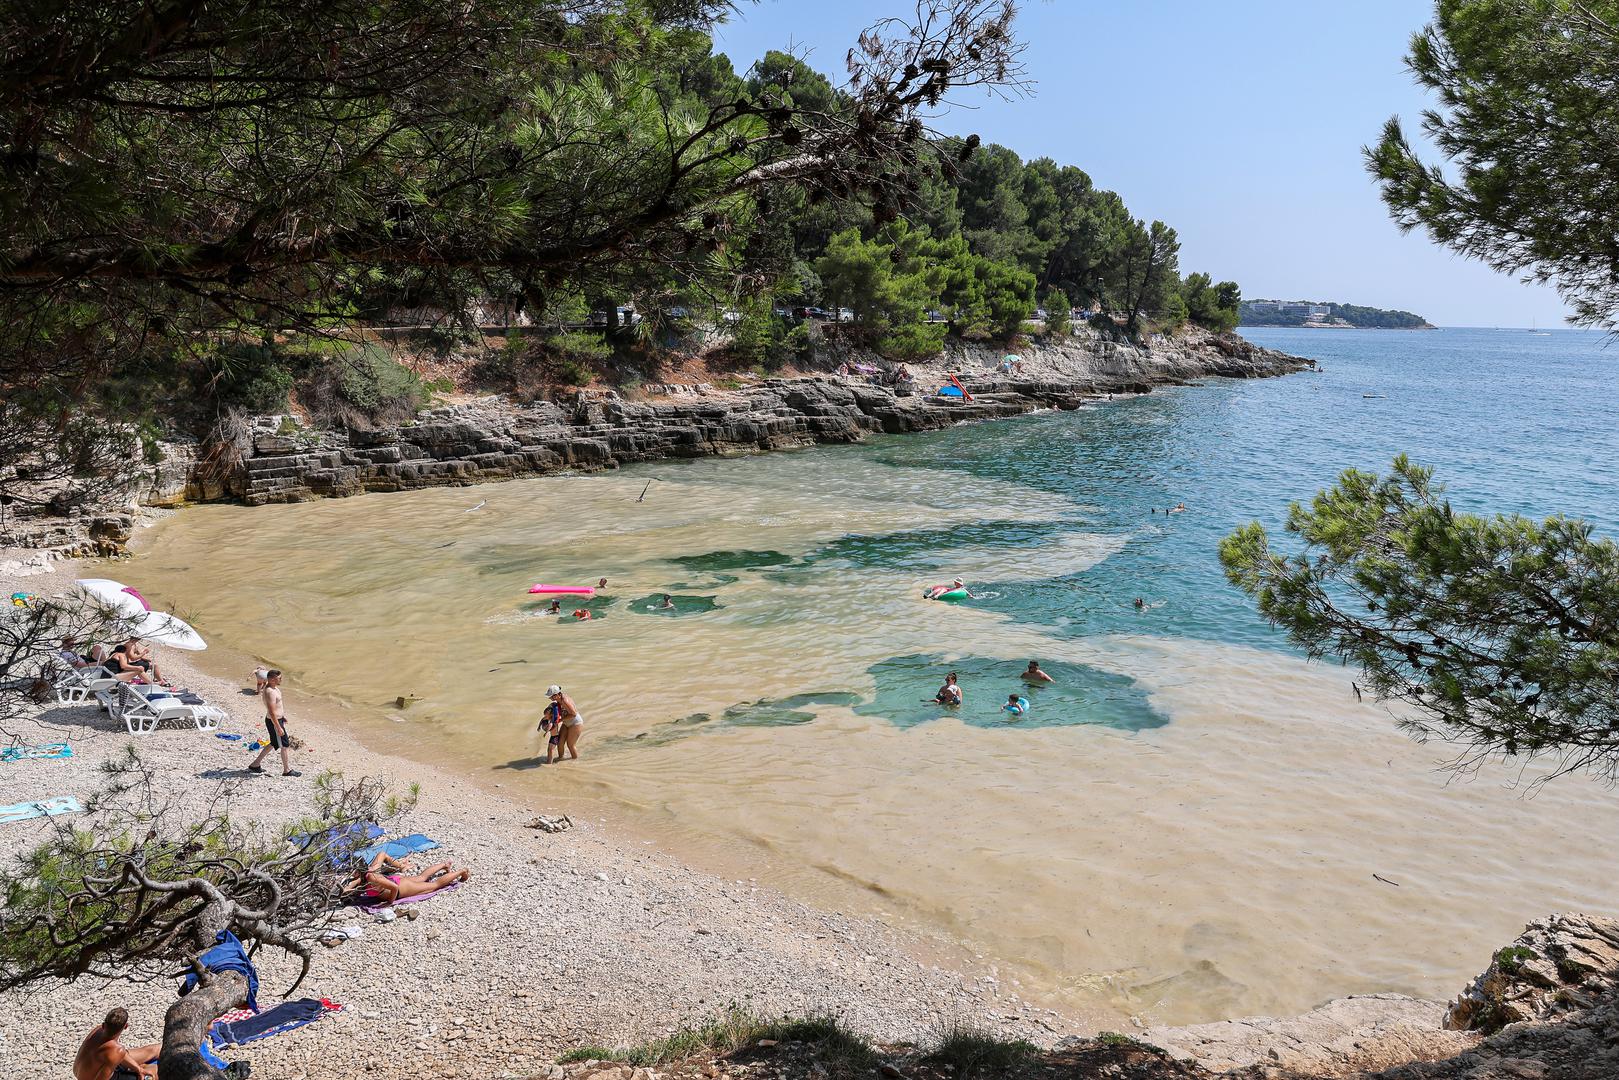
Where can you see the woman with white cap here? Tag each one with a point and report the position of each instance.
(571, 723)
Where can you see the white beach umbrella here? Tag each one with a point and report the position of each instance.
(135, 609)
(122, 599)
(170, 630)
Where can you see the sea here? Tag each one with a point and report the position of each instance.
(1192, 822)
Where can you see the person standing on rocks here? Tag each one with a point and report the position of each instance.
(102, 1055)
(275, 722)
(573, 725)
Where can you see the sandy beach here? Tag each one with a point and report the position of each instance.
(591, 936)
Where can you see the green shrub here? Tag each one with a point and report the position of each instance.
(573, 356)
(839, 1050)
(912, 341)
(1511, 959)
(1116, 1041)
(972, 1051)
(766, 340)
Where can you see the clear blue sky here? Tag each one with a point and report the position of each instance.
(1238, 124)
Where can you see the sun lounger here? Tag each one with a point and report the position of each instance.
(142, 714)
(75, 686)
(59, 804)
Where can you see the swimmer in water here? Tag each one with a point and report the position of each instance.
(555, 608)
(1178, 508)
(1015, 705)
(581, 614)
(950, 693)
(1140, 603)
(1035, 675)
(939, 590)
(667, 602)
(602, 584)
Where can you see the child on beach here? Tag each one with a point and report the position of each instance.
(551, 724)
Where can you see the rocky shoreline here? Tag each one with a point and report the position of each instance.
(495, 438)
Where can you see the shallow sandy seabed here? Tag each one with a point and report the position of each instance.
(1208, 851)
(591, 936)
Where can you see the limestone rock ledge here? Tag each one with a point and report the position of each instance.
(496, 438)
(1344, 1036)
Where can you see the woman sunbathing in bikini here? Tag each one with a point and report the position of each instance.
(386, 881)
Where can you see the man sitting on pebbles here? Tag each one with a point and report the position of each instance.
(102, 1055)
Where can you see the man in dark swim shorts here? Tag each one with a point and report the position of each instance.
(275, 722)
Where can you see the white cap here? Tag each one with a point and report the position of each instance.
(957, 581)
(552, 691)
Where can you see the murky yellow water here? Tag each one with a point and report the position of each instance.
(1216, 865)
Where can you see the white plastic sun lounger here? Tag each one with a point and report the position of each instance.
(142, 715)
(77, 685)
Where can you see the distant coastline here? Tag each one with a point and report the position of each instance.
(1327, 315)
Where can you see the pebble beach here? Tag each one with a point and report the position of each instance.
(588, 937)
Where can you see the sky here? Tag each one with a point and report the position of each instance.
(1240, 124)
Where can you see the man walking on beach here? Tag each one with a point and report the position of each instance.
(275, 722)
(102, 1056)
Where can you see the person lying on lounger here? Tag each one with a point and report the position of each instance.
(386, 880)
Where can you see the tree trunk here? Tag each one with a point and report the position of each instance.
(187, 1022)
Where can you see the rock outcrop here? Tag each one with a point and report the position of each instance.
(1558, 965)
(1341, 1037)
(496, 438)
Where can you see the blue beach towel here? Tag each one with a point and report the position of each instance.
(227, 955)
(281, 1018)
(398, 849)
(58, 804)
(48, 752)
(338, 844)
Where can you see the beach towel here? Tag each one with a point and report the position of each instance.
(374, 909)
(58, 804)
(47, 752)
(273, 1021)
(338, 843)
(227, 955)
(397, 849)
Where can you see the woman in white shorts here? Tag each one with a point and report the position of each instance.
(572, 723)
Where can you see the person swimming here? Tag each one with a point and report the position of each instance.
(936, 591)
(1140, 604)
(668, 603)
(949, 694)
(582, 614)
(1015, 705)
(1033, 674)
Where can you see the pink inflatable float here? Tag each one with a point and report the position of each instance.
(573, 590)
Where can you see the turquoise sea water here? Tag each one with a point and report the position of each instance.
(1513, 422)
